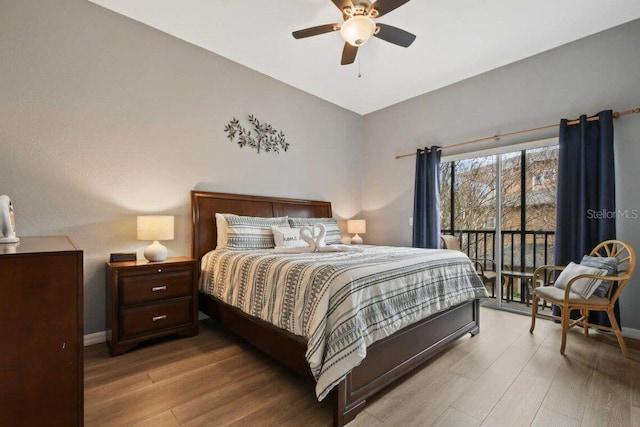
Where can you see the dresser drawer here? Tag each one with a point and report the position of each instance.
(145, 288)
(155, 317)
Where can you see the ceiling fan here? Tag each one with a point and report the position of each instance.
(359, 26)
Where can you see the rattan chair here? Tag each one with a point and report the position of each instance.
(567, 301)
(488, 277)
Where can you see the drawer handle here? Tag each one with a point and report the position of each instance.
(159, 288)
(156, 318)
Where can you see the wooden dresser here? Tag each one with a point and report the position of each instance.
(147, 300)
(41, 337)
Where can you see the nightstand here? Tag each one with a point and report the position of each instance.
(149, 300)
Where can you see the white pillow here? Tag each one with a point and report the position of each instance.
(251, 232)
(287, 237)
(584, 287)
(221, 230)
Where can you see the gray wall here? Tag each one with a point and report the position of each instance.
(102, 119)
(586, 76)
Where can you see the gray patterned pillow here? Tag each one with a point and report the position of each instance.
(251, 232)
(585, 287)
(606, 263)
(333, 236)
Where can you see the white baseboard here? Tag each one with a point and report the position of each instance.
(95, 338)
(631, 333)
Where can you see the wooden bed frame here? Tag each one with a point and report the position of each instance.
(387, 359)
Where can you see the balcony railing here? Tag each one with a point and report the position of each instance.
(521, 250)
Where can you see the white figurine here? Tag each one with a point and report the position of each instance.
(7, 221)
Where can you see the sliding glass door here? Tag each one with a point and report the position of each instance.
(468, 206)
(501, 207)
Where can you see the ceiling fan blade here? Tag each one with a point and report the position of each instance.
(314, 31)
(395, 35)
(349, 54)
(385, 6)
(341, 4)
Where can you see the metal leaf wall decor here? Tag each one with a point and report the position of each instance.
(264, 136)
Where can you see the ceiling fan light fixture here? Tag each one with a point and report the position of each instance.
(357, 30)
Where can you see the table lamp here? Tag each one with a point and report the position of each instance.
(356, 226)
(155, 227)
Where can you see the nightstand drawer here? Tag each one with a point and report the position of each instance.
(155, 287)
(155, 317)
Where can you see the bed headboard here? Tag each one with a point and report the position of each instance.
(205, 205)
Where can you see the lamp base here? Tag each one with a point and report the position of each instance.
(13, 239)
(356, 240)
(156, 252)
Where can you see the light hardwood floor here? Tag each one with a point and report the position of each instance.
(502, 377)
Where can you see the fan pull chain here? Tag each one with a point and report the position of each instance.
(359, 73)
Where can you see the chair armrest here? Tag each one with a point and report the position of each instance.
(484, 261)
(586, 276)
(479, 268)
(542, 271)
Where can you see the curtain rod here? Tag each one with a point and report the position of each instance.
(498, 137)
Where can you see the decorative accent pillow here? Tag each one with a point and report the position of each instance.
(332, 237)
(584, 287)
(287, 237)
(250, 232)
(606, 263)
(221, 231)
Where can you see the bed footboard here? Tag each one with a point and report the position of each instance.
(386, 361)
(389, 359)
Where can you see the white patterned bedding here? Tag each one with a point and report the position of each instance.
(340, 302)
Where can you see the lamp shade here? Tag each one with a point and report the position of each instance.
(357, 30)
(356, 226)
(155, 227)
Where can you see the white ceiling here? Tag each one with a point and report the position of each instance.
(456, 39)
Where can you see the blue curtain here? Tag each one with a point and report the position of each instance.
(426, 201)
(586, 192)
